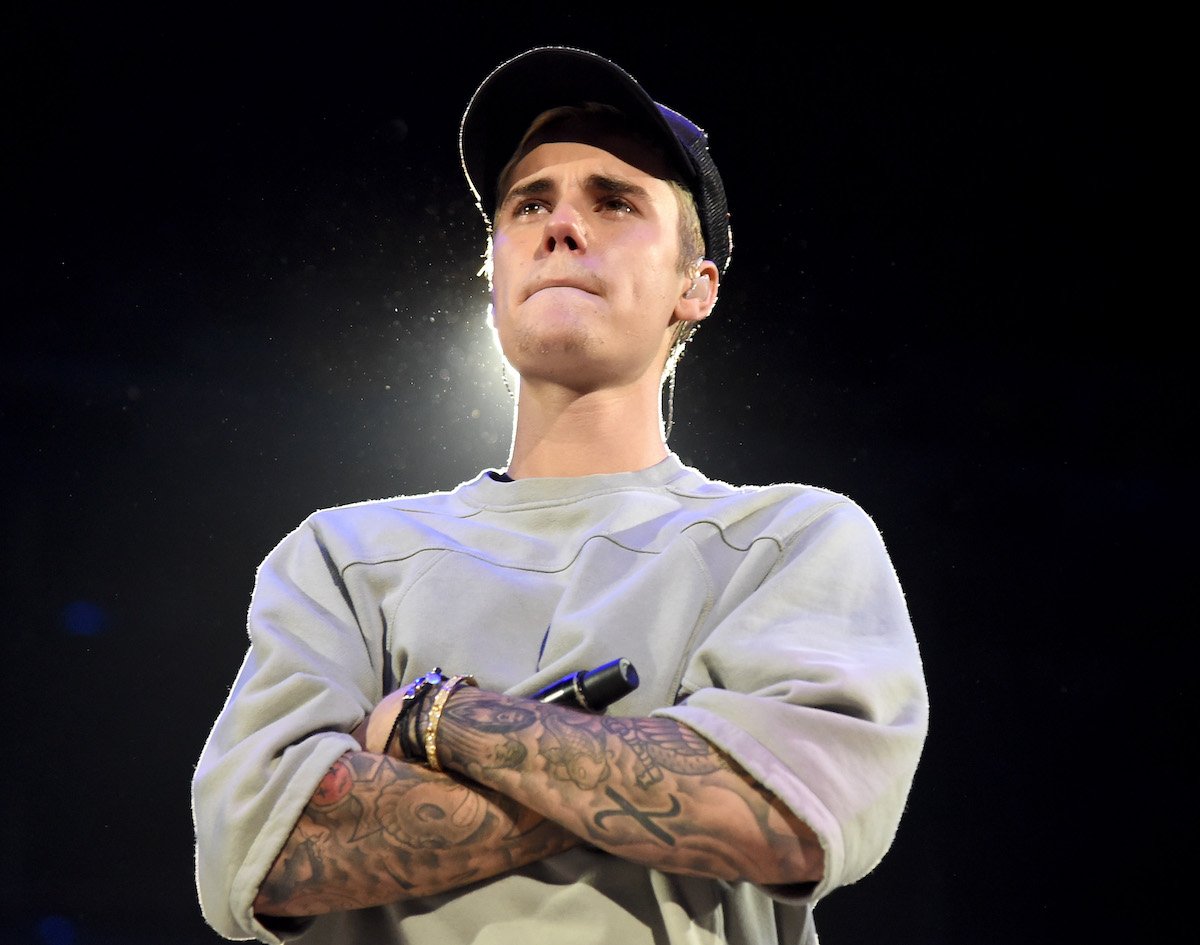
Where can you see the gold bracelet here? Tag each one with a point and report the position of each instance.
(412, 697)
(435, 716)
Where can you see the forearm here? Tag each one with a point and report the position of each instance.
(649, 790)
(378, 830)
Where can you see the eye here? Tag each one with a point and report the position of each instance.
(528, 208)
(616, 204)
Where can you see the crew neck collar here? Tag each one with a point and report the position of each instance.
(494, 487)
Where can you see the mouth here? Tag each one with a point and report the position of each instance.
(580, 283)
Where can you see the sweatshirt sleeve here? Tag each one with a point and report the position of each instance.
(814, 685)
(306, 682)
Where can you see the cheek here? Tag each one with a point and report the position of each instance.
(499, 287)
(507, 276)
(657, 291)
(506, 254)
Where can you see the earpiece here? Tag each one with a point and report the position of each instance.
(699, 288)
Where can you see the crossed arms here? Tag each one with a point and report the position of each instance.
(523, 781)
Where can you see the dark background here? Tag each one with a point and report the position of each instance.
(240, 287)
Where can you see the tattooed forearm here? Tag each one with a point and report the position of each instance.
(378, 830)
(647, 789)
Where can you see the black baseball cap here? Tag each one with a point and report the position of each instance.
(520, 89)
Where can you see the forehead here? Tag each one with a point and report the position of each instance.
(575, 158)
(602, 132)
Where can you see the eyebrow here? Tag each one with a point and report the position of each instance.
(601, 183)
(616, 186)
(532, 188)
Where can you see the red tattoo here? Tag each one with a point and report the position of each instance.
(334, 786)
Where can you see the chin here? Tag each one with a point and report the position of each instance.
(571, 342)
(545, 329)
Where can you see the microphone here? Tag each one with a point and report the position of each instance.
(592, 689)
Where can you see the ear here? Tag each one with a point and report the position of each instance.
(699, 293)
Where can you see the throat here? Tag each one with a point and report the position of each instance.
(606, 431)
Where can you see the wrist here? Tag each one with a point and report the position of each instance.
(437, 708)
(410, 737)
(399, 741)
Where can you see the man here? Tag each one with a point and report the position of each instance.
(353, 791)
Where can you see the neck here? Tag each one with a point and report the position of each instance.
(565, 433)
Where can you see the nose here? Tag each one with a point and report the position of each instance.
(564, 230)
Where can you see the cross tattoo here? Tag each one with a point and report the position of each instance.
(642, 817)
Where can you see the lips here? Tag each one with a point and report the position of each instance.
(584, 282)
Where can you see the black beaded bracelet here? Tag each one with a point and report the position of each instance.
(412, 698)
(411, 746)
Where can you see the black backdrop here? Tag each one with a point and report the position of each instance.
(241, 286)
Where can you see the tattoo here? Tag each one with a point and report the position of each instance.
(646, 771)
(306, 864)
(428, 815)
(657, 746)
(511, 754)
(645, 818)
(334, 786)
(306, 860)
(378, 830)
(487, 716)
(573, 752)
(491, 715)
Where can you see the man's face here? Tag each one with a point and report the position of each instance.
(586, 272)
